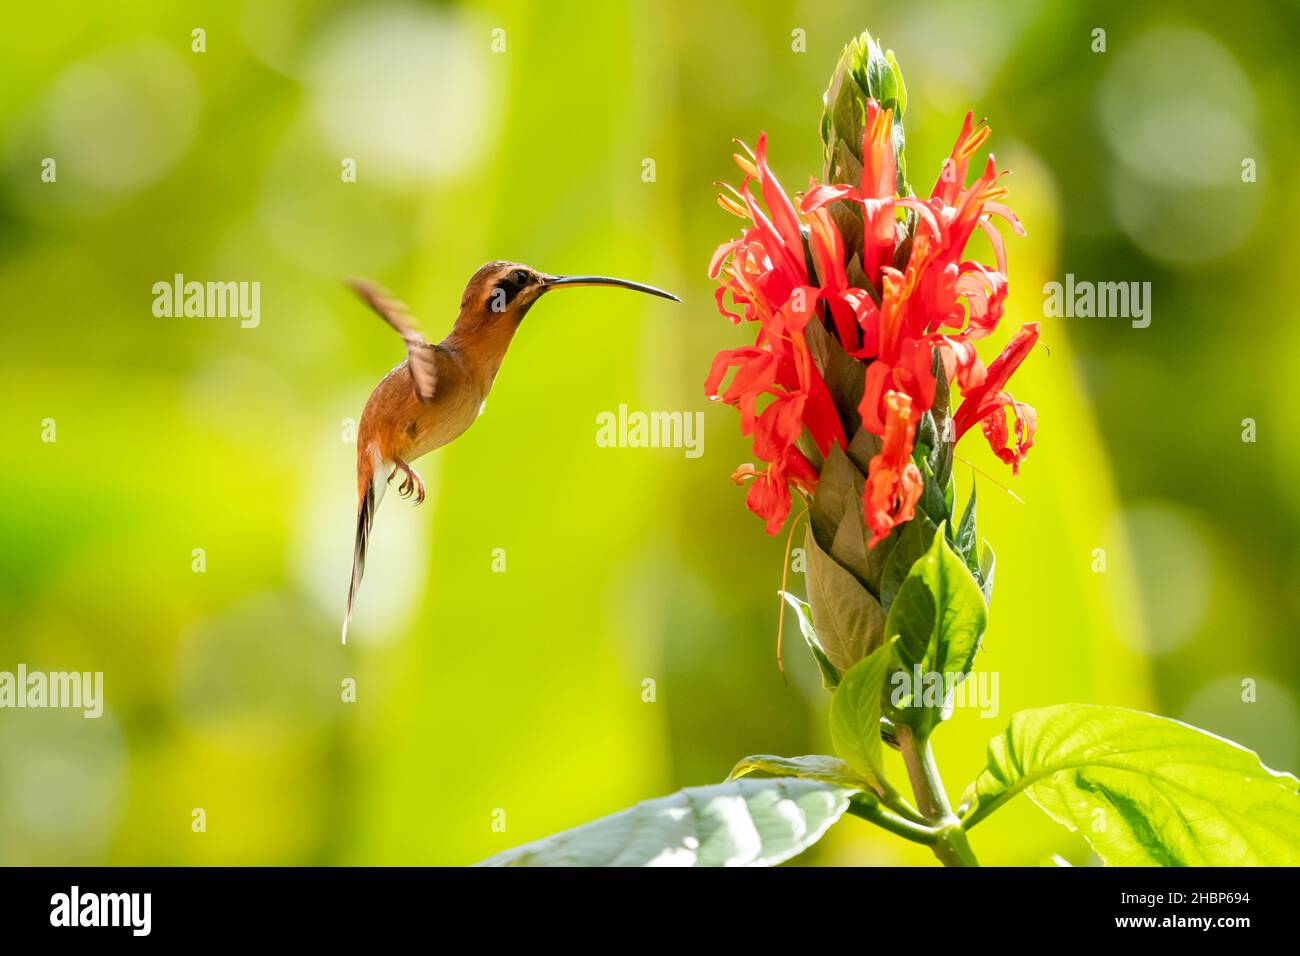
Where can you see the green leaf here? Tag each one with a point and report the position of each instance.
(830, 676)
(944, 436)
(849, 544)
(812, 767)
(881, 79)
(913, 541)
(844, 375)
(850, 547)
(863, 447)
(1143, 790)
(839, 493)
(965, 541)
(864, 71)
(738, 823)
(901, 95)
(848, 219)
(853, 268)
(901, 184)
(848, 621)
(939, 613)
(987, 561)
(855, 714)
(847, 165)
(847, 118)
(934, 497)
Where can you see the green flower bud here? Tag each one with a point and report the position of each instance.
(864, 72)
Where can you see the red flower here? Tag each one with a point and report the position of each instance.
(937, 301)
(769, 495)
(875, 195)
(987, 403)
(765, 276)
(894, 483)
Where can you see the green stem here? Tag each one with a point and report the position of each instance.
(916, 832)
(950, 844)
(892, 799)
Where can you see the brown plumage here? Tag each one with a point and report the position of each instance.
(439, 390)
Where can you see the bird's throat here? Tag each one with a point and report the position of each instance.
(481, 347)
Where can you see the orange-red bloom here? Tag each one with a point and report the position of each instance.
(894, 483)
(987, 403)
(790, 267)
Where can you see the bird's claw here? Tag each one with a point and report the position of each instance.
(412, 484)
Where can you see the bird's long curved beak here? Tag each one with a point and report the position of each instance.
(551, 282)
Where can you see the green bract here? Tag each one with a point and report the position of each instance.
(849, 622)
(864, 71)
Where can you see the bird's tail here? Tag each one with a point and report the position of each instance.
(370, 491)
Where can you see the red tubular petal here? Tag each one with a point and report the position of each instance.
(994, 427)
(720, 256)
(894, 483)
(769, 498)
(979, 402)
(873, 390)
(939, 301)
(820, 195)
(778, 203)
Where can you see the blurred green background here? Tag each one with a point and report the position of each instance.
(481, 692)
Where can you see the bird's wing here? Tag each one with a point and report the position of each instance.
(421, 355)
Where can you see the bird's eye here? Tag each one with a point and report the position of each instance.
(520, 277)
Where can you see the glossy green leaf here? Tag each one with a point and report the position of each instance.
(939, 613)
(855, 714)
(759, 822)
(811, 767)
(830, 676)
(1143, 790)
(912, 542)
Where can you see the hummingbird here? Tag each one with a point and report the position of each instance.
(439, 390)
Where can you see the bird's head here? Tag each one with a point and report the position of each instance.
(507, 290)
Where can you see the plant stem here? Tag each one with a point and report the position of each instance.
(924, 775)
(950, 844)
(916, 832)
(893, 800)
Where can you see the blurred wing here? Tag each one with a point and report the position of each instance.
(424, 370)
(421, 356)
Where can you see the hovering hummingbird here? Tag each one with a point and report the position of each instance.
(432, 397)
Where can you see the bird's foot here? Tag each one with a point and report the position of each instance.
(412, 484)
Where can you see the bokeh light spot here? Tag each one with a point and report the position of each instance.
(1178, 112)
(1172, 562)
(122, 119)
(406, 87)
(1269, 724)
